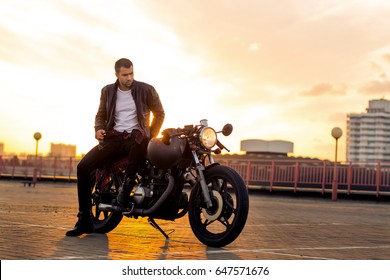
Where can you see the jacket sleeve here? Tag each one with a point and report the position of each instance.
(157, 109)
(101, 115)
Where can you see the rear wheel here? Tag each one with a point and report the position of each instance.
(105, 191)
(221, 224)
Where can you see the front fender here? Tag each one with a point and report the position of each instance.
(211, 165)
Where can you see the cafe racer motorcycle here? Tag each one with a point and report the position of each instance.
(178, 164)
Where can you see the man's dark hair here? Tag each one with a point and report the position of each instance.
(123, 62)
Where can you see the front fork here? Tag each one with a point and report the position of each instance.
(202, 180)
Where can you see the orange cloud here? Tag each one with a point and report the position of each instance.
(325, 89)
(375, 87)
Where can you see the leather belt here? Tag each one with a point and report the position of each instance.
(136, 134)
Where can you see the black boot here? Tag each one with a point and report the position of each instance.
(83, 225)
(124, 193)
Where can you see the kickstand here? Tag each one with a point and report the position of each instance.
(153, 223)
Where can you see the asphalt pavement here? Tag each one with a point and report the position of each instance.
(279, 227)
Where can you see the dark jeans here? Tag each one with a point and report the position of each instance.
(110, 151)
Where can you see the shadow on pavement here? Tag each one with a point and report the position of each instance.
(91, 246)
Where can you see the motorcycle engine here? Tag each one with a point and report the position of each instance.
(142, 194)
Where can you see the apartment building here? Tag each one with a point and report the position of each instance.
(62, 150)
(368, 134)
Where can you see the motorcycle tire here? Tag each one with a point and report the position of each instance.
(105, 191)
(223, 223)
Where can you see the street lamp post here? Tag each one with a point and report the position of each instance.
(336, 133)
(37, 137)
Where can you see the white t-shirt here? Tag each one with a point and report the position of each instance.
(125, 112)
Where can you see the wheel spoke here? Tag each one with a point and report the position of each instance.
(228, 204)
(224, 185)
(208, 222)
(224, 221)
(104, 190)
(99, 214)
(215, 185)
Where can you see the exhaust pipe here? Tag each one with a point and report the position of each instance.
(160, 201)
(108, 207)
(138, 211)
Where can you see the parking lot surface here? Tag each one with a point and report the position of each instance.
(34, 221)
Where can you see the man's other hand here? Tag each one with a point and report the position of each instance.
(99, 135)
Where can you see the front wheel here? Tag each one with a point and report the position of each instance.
(221, 224)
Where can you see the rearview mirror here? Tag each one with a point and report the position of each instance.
(227, 129)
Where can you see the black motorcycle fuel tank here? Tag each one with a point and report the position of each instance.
(165, 154)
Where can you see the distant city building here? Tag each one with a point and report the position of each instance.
(272, 147)
(62, 150)
(1, 149)
(368, 134)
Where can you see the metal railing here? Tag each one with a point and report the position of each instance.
(296, 175)
(318, 175)
(39, 167)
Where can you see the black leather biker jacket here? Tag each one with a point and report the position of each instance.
(146, 101)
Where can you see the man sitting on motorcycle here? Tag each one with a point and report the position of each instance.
(122, 126)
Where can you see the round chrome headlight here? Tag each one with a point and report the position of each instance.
(208, 137)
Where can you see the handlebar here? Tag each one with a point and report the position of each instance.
(221, 146)
(188, 130)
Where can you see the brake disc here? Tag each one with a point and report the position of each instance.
(215, 211)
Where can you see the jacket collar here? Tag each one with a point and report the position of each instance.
(116, 85)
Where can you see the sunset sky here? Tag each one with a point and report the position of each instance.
(277, 70)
